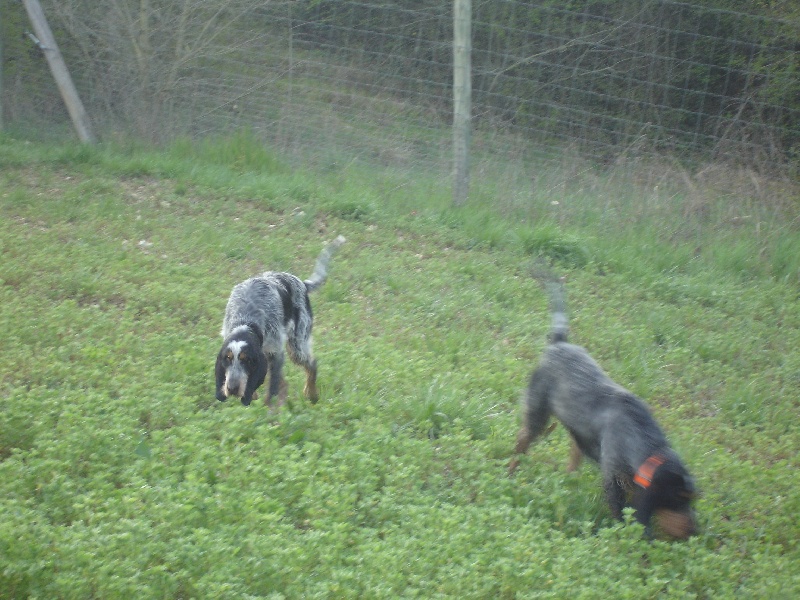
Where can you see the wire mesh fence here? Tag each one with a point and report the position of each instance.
(337, 80)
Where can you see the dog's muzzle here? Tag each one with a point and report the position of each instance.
(226, 391)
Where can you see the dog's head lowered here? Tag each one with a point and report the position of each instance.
(668, 496)
(241, 366)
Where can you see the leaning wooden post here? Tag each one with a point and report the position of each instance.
(462, 97)
(1, 72)
(58, 68)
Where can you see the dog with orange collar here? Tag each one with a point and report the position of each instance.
(610, 425)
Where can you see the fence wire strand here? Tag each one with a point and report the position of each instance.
(335, 81)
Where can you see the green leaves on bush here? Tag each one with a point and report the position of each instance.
(121, 476)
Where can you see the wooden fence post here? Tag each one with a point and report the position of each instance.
(462, 97)
(58, 68)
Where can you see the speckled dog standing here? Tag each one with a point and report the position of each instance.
(610, 425)
(265, 315)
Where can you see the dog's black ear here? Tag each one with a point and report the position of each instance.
(689, 488)
(676, 487)
(219, 372)
(644, 503)
(255, 378)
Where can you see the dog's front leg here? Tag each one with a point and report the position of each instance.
(615, 495)
(643, 503)
(575, 456)
(277, 386)
(524, 439)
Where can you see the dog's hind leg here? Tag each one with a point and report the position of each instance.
(575, 456)
(310, 389)
(300, 352)
(536, 414)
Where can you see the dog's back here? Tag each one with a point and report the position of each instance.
(271, 301)
(274, 298)
(592, 406)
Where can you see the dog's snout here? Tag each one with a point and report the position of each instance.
(677, 524)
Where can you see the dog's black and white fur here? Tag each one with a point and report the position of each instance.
(610, 425)
(264, 315)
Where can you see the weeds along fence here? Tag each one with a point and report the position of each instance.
(338, 80)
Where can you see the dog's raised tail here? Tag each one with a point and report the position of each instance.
(320, 273)
(559, 330)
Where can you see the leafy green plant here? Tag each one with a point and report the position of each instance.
(121, 475)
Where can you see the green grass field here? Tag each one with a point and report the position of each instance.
(122, 477)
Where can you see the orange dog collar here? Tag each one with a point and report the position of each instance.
(644, 474)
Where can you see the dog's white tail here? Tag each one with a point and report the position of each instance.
(320, 273)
